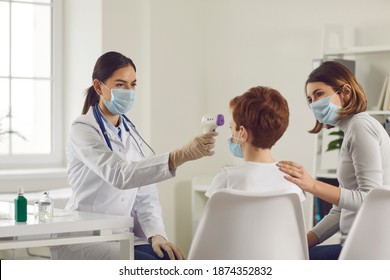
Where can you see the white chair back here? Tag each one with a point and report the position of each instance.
(238, 225)
(369, 237)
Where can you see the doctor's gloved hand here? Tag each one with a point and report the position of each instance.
(199, 147)
(160, 244)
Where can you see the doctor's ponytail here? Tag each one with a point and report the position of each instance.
(106, 64)
(91, 98)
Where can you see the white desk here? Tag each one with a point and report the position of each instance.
(85, 227)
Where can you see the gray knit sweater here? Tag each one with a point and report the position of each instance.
(364, 164)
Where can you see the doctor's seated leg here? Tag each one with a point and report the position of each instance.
(145, 252)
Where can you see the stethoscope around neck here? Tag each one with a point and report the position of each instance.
(98, 116)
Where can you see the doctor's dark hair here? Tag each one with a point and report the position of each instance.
(106, 64)
(336, 75)
(264, 112)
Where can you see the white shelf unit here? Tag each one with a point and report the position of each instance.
(379, 112)
(352, 52)
(357, 50)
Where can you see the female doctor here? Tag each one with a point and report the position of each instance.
(107, 168)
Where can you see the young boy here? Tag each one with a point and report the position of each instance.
(259, 118)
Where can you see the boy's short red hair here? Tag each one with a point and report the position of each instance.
(264, 112)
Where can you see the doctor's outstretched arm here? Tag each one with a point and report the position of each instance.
(89, 148)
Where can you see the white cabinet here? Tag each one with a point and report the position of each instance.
(200, 185)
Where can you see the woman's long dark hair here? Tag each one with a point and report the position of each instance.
(106, 64)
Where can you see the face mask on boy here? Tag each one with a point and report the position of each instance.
(235, 148)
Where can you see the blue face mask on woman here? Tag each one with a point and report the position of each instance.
(325, 111)
(235, 148)
(122, 100)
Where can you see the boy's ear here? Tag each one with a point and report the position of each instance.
(244, 133)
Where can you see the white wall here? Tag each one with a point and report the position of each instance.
(126, 29)
(193, 56)
(82, 45)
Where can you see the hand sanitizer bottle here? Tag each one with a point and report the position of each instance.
(45, 208)
(20, 206)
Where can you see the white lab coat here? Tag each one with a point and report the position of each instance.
(119, 182)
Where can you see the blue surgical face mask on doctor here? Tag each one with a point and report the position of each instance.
(325, 111)
(235, 148)
(122, 100)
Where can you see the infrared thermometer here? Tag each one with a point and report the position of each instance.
(211, 122)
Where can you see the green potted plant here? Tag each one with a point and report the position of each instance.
(335, 144)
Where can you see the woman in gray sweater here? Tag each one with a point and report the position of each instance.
(337, 99)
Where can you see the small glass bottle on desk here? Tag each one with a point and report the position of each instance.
(45, 208)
